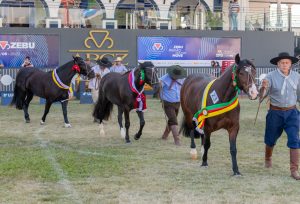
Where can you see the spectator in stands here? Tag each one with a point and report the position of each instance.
(257, 26)
(171, 84)
(234, 9)
(100, 71)
(216, 68)
(27, 62)
(118, 66)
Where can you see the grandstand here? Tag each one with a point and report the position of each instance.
(274, 15)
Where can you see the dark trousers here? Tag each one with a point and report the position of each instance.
(171, 110)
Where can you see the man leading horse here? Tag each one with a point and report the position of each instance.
(283, 88)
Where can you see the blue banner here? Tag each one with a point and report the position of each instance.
(42, 49)
(187, 51)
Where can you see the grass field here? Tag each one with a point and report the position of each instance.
(52, 164)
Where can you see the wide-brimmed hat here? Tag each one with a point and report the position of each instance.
(118, 59)
(104, 62)
(284, 55)
(176, 72)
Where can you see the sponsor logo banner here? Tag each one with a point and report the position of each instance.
(42, 49)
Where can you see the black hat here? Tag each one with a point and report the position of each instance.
(146, 64)
(104, 62)
(283, 55)
(176, 72)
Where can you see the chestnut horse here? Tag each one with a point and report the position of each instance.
(240, 76)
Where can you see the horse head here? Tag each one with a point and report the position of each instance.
(245, 77)
(150, 72)
(81, 67)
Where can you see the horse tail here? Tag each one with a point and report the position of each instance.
(18, 98)
(103, 107)
(186, 130)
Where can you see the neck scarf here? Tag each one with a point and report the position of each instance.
(287, 79)
(140, 101)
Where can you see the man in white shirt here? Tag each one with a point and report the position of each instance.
(118, 66)
(100, 71)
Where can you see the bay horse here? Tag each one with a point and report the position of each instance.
(52, 85)
(240, 76)
(125, 91)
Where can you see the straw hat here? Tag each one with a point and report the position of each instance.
(118, 59)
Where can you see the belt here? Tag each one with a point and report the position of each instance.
(282, 108)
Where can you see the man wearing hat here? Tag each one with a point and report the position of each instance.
(118, 66)
(100, 71)
(171, 84)
(283, 88)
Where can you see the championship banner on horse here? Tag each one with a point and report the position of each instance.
(187, 51)
(42, 49)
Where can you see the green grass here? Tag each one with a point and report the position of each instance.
(52, 164)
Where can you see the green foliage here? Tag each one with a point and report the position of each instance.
(214, 20)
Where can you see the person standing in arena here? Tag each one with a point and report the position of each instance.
(100, 71)
(118, 66)
(27, 62)
(171, 84)
(283, 88)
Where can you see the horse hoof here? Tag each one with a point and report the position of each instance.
(27, 120)
(122, 132)
(204, 165)
(128, 142)
(42, 122)
(137, 137)
(68, 125)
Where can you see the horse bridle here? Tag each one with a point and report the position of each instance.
(250, 78)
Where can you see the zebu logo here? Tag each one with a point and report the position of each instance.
(157, 47)
(17, 45)
(4, 44)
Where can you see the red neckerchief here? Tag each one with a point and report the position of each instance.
(140, 101)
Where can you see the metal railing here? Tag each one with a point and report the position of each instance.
(161, 72)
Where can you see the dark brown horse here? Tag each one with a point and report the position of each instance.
(53, 86)
(116, 89)
(241, 76)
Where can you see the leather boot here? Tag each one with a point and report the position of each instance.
(175, 134)
(166, 133)
(268, 156)
(294, 163)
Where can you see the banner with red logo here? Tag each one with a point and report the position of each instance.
(188, 51)
(43, 50)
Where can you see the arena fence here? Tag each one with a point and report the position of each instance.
(161, 72)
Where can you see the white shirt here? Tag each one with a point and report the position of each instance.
(100, 71)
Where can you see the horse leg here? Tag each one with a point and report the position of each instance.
(64, 106)
(120, 121)
(46, 111)
(29, 97)
(142, 124)
(193, 151)
(206, 147)
(233, 152)
(127, 125)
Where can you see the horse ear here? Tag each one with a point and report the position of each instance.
(237, 59)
